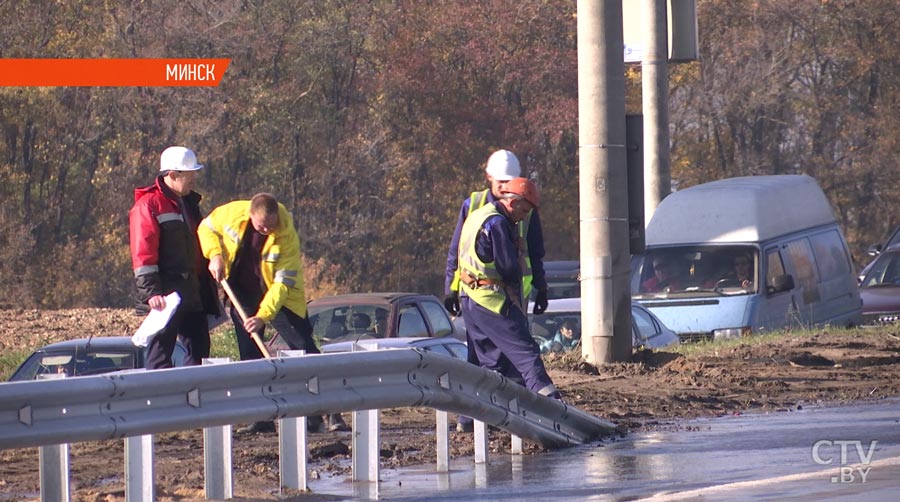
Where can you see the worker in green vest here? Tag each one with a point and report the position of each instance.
(492, 298)
(502, 166)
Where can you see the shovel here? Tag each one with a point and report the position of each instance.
(244, 317)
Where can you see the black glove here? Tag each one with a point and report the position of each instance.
(540, 302)
(451, 303)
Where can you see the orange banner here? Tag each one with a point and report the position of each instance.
(112, 72)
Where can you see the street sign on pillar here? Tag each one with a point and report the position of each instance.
(634, 149)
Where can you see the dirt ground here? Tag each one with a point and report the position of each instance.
(653, 391)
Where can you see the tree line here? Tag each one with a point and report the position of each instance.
(371, 121)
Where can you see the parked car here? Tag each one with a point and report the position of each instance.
(361, 316)
(646, 329)
(562, 279)
(87, 356)
(446, 345)
(876, 249)
(880, 288)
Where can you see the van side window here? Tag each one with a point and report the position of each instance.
(774, 266)
(805, 274)
(801, 256)
(831, 258)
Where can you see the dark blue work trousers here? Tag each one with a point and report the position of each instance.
(502, 340)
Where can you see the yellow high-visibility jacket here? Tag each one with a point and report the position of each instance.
(221, 232)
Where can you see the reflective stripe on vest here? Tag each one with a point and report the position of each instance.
(166, 217)
(146, 269)
(489, 297)
(287, 277)
(476, 201)
(234, 234)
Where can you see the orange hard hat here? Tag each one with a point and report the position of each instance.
(524, 188)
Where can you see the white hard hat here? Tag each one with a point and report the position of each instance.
(503, 166)
(178, 158)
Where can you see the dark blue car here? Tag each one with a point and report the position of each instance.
(87, 356)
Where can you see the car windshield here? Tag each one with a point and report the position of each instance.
(885, 271)
(68, 364)
(695, 270)
(893, 239)
(349, 322)
(557, 331)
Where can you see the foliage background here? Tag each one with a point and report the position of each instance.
(371, 121)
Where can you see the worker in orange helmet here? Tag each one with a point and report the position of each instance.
(502, 166)
(492, 296)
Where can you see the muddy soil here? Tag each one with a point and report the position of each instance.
(820, 369)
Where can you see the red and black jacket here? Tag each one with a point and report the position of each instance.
(165, 252)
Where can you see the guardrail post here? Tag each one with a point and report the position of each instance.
(481, 442)
(217, 483)
(292, 452)
(515, 445)
(292, 445)
(53, 464)
(365, 447)
(139, 471)
(54, 468)
(515, 442)
(442, 433)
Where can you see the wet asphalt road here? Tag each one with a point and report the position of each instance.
(842, 453)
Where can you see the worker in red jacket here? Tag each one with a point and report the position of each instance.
(166, 258)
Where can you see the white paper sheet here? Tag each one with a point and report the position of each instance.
(156, 320)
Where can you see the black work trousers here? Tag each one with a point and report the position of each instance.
(194, 333)
(296, 331)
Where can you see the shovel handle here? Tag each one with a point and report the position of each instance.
(244, 317)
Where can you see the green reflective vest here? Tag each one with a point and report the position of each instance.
(491, 297)
(477, 200)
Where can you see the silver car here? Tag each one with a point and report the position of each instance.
(549, 328)
(445, 345)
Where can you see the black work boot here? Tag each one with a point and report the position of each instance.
(257, 428)
(314, 424)
(465, 424)
(336, 423)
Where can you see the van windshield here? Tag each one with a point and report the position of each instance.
(695, 271)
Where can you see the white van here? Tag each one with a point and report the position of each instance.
(745, 255)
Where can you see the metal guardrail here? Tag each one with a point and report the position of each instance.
(135, 405)
(124, 404)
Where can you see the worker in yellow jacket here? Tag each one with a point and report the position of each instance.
(253, 244)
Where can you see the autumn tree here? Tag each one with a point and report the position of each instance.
(372, 120)
(799, 87)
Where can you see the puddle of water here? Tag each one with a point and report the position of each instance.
(726, 451)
